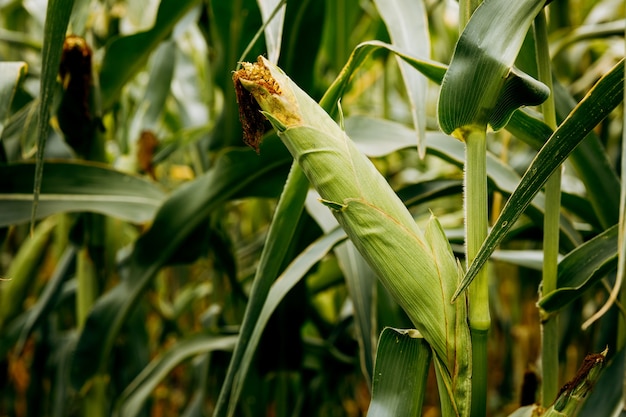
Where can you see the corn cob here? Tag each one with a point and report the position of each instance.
(417, 268)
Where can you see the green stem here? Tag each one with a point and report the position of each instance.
(550, 337)
(621, 323)
(94, 402)
(87, 286)
(476, 215)
(466, 8)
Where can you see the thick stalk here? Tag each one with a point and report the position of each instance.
(476, 215)
(550, 337)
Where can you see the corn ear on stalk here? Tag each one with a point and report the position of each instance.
(417, 268)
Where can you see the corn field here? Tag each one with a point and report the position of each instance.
(312, 208)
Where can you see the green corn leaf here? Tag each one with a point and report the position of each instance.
(274, 10)
(296, 270)
(603, 97)
(126, 55)
(47, 299)
(57, 18)
(418, 269)
(402, 361)
(582, 268)
(481, 86)
(367, 133)
(11, 74)
(279, 237)
(407, 24)
(432, 70)
(22, 274)
(77, 187)
(134, 396)
(177, 218)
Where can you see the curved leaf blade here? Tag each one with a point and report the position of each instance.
(70, 187)
(296, 270)
(133, 51)
(177, 218)
(57, 19)
(11, 74)
(603, 97)
(137, 392)
(407, 24)
(432, 70)
(402, 361)
(581, 268)
(482, 63)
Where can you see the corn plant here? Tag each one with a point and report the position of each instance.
(429, 209)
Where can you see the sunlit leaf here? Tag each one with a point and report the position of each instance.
(407, 24)
(402, 361)
(126, 55)
(480, 78)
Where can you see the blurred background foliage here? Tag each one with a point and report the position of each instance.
(153, 214)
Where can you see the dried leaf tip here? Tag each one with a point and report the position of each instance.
(250, 116)
(263, 86)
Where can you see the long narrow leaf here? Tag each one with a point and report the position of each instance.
(136, 394)
(481, 81)
(581, 268)
(284, 283)
(126, 55)
(57, 19)
(402, 361)
(11, 74)
(77, 187)
(407, 24)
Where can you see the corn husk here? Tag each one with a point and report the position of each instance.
(417, 268)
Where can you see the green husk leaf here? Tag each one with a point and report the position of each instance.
(411, 266)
